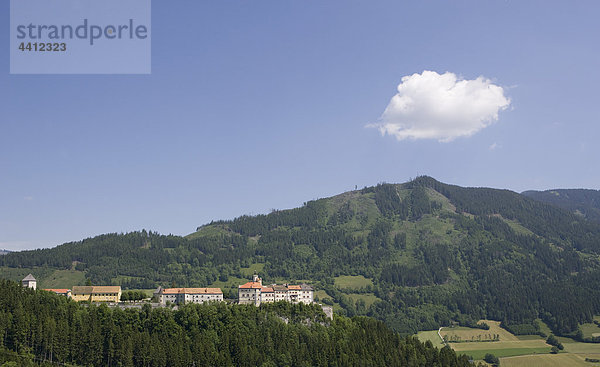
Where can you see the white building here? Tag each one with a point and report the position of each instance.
(255, 293)
(29, 282)
(189, 295)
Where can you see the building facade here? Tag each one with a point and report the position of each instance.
(96, 293)
(250, 292)
(255, 293)
(189, 295)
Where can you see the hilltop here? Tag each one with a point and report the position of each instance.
(417, 255)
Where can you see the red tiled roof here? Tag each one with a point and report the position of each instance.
(58, 290)
(266, 290)
(251, 285)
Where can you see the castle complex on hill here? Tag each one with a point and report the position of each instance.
(255, 293)
(250, 293)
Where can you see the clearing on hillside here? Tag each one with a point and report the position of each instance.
(432, 336)
(352, 282)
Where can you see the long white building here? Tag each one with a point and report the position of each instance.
(189, 295)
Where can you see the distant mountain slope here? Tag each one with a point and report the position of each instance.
(416, 255)
(580, 201)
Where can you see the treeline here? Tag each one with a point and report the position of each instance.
(49, 327)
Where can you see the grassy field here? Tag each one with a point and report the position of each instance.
(255, 268)
(466, 333)
(352, 282)
(547, 360)
(508, 345)
(505, 352)
(543, 327)
(16, 274)
(522, 350)
(432, 336)
(589, 330)
(581, 348)
(369, 298)
(63, 279)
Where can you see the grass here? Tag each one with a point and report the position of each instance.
(17, 274)
(529, 337)
(439, 198)
(323, 295)
(522, 350)
(432, 336)
(255, 268)
(547, 360)
(589, 330)
(543, 327)
(582, 348)
(352, 282)
(369, 298)
(517, 227)
(120, 279)
(208, 231)
(63, 279)
(466, 333)
(508, 345)
(504, 352)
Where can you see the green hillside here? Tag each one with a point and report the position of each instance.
(585, 203)
(416, 255)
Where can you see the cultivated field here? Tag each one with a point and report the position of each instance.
(466, 334)
(546, 360)
(518, 351)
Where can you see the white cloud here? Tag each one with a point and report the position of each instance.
(494, 146)
(442, 107)
(28, 198)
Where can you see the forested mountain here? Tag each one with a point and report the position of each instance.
(579, 201)
(416, 255)
(39, 326)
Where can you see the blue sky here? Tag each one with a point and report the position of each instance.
(255, 105)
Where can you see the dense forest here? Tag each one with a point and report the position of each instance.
(580, 201)
(39, 327)
(429, 253)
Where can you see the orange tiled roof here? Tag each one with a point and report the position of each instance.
(251, 285)
(58, 290)
(192, 291)
(267, 290)
(78, 290)
(294, 287)
(107, 289)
